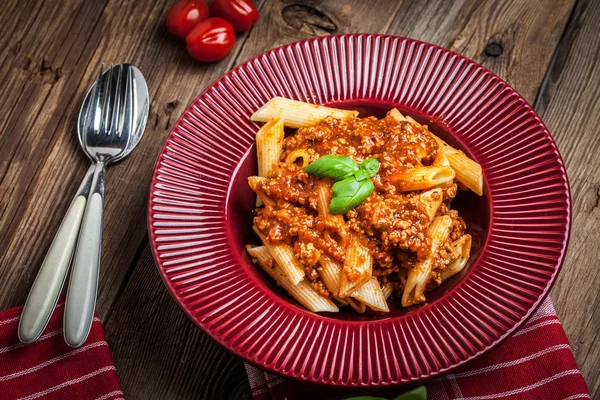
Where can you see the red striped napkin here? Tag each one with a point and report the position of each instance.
(535, 363)
(49, 369)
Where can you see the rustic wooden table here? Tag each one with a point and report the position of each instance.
(50, 52)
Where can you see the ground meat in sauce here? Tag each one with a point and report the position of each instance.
(394, 222)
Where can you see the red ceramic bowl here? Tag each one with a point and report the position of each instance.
(200, 213)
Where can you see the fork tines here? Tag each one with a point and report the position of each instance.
(110, 112)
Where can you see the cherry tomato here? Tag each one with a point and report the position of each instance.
(210, 40)
(242, 14)
(184, 15)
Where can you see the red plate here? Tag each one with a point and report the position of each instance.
(200, 213)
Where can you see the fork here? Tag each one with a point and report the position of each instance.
(104, 140)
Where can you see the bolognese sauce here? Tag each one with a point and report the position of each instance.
(392, 223)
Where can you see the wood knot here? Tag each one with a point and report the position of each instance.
(48, 74)
(308, 20)
(596, 198)
(494, 49)
(170, 106)
(164, 119)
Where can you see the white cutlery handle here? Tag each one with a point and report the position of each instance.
(83, 285)
(49, 281)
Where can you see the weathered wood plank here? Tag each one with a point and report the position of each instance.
(159, 353)
(437, 22)
(289, 21)
(569, 99)
(35, 195)
(43, 77)
(570, 108)
(514, 39)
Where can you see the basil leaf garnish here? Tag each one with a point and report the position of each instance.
(371, 166)
(335, 167)
(348, 194)
(361, 175)
(352, 184)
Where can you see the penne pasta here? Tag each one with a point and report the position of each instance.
(468, 172)
(324, 193)
(253, 182)
(340, 302)
(418, 276)
(387, 290)
(432, 200)
(331, 273)
(303, 292)
(356, 305)
(402, 213)
(462, 248)
(269, 142)
(299, 157)
(411, 119)
(357, 269)
(441, 159)
(395, 114)
(298, 114)
(336, 230)
(284, 256)
(370, 293)
(423, 178)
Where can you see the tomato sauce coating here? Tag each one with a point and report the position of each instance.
(392, 223)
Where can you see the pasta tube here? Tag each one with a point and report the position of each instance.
(438, 232)
(298, 114)
(422, 178)
(284, 256)
(462, 247)
(330, 272)
(387, 290)
(357, 269)
(370, 293)
(356, 305)
(303, 292)
(432, 200)
(254, 182)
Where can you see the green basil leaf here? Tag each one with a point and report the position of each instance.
(348, 194)
(371, 166)
(335, 167)
(361, 175)
(419, 393)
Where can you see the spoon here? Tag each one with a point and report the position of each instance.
(50, 279)
(104, 140)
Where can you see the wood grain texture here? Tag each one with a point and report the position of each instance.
(51, 52)
(514, 39)
(159, 353)
(43, 74)
(569, 105)
(289, 21)
(32, 217)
